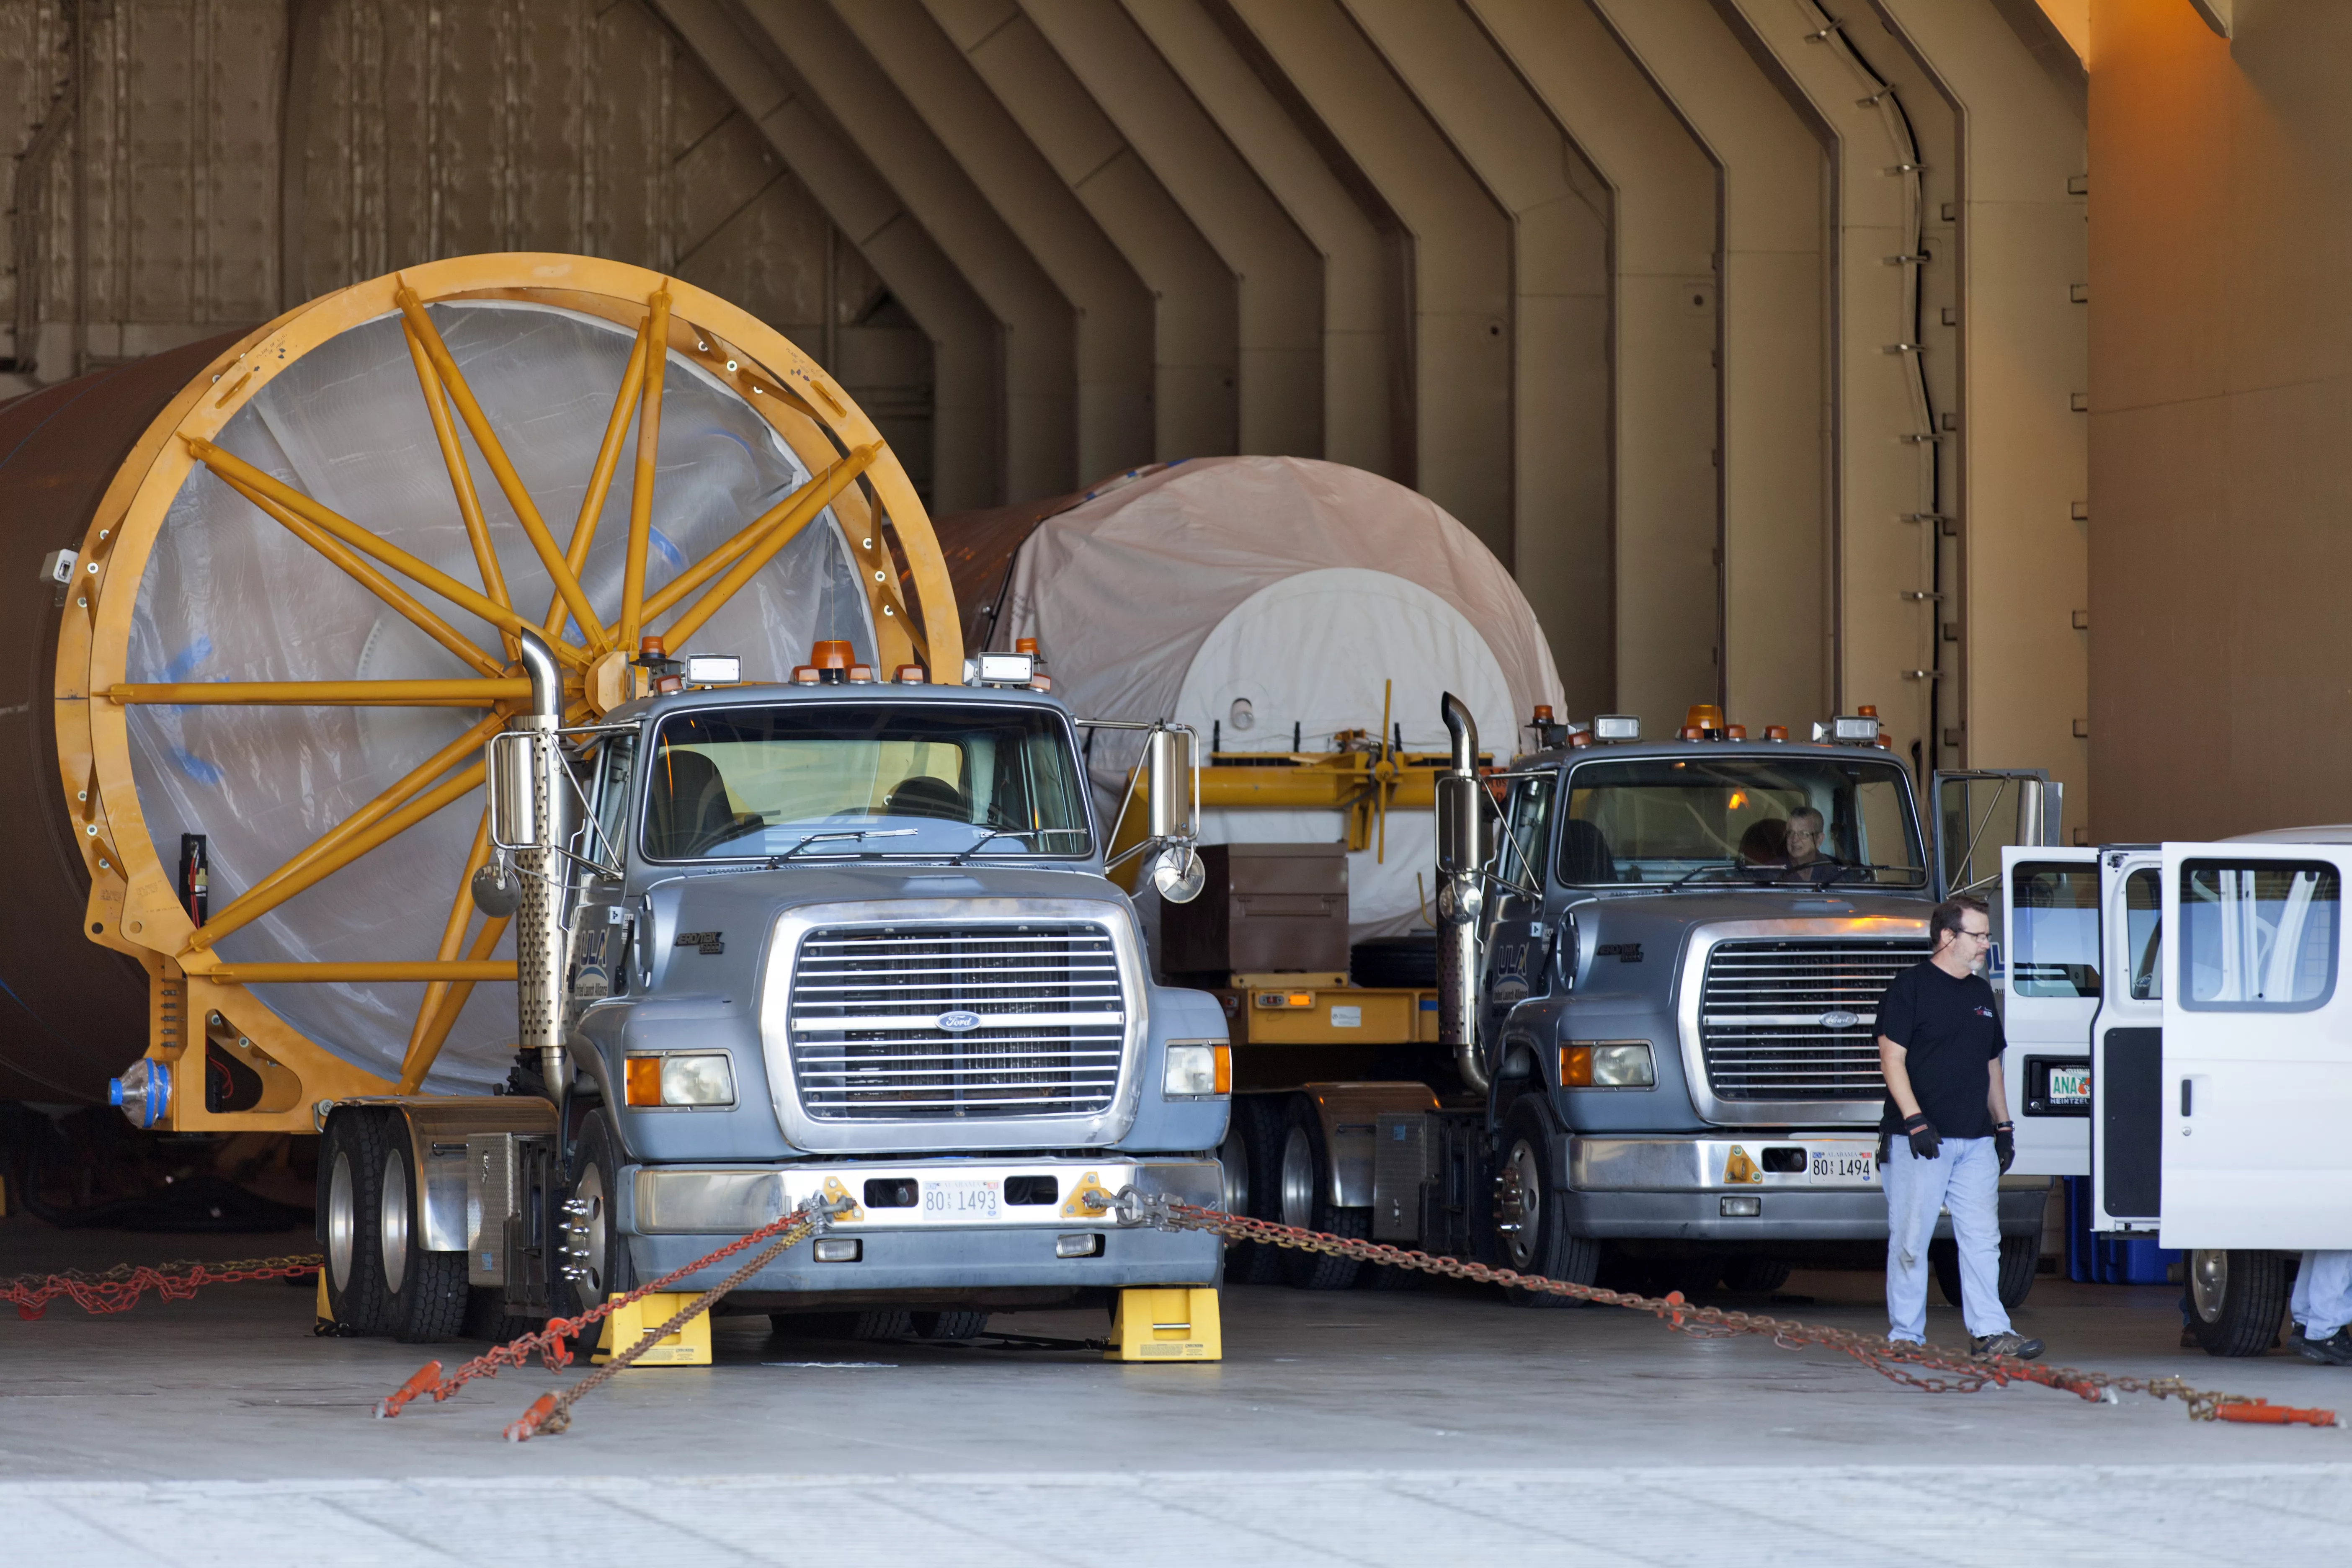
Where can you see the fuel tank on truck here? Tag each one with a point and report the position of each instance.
(280, 572)
(1276, 604)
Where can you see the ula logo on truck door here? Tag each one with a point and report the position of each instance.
(958, 1021)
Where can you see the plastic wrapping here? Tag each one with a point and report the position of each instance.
(1247, 595)
(229, 594)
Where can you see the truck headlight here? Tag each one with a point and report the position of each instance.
(1608, 1064)
(697, 1079)
(1198, 1068)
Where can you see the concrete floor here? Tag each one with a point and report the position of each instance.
(1352, 1427)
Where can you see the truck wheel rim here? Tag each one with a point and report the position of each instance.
(394, 1228)
(1298, 1179)
(704, 339)
(1233, 1162)
(2209, 1283)
(342, 1222)
(588, 1230)
(1526, 1178)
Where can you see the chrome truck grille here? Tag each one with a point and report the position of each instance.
(912, 1023)
(1797, 1020)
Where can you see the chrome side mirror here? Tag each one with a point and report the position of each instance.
(1177, 874)
(498, 889)
(514, 795)
(2033, 806)
(1175, 805)
(1459, 840)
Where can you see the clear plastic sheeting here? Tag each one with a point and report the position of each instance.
(1263, 598)
(230, 596)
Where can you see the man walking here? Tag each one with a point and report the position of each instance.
(1944, 1138)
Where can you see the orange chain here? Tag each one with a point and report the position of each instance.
(1893, 1359)
(549, 1341)
(119, 1288)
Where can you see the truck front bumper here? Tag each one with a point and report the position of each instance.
(958, 1233)
(1717, 1189)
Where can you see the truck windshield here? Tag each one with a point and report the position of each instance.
(1778, 821)
(748, 784)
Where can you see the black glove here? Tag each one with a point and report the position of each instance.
(1926, 1142)
(2005, 1143)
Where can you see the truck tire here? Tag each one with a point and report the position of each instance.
(592, 1259)
(1756, 1276)
(1302, 1195)
(2020, 1260)
(2236, 1299)
(1253, 1140)
(425, 1292)
(954, 1325)
(351, 1171)
(868, 1323)
(1537, 1240)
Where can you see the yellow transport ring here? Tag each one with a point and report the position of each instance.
(134, 905)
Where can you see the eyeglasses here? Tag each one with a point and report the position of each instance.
(1985, 935)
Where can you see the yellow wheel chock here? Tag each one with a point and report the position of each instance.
(690, 1346)
(1179, 1323)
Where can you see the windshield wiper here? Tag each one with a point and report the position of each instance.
(1726, 866)
(851, 833)
(969, 850)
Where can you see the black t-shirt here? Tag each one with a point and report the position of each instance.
(1949, 1029)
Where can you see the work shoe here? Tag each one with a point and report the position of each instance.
(2336, 1350)
(2189, 1340)
(2016, 1347)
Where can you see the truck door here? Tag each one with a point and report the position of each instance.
(2257, 1056)
(2127, 1044)
(2051, 986)
(1517, 937)
(1974, 815)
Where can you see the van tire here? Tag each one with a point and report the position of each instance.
(2236, 1299)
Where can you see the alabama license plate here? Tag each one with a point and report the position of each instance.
(959, 1200)
(2069, 1085)
(1844, 1168)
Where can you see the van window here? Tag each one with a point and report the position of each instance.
(2055, 916)
(2144, 932)
(2257, 934)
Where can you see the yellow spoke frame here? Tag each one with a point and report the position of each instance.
(134, 904)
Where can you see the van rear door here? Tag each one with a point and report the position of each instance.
(2257, 1054)
(2051, 982)
(2127, 1044)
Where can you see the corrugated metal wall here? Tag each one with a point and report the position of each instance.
(1745, 332)
(237, 156)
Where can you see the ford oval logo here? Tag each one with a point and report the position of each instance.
(1839, 1019)
(957, 1022)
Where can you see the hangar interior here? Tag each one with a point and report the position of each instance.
(1961, 361)
(1755, 346)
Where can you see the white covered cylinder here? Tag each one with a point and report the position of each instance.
(1272, 600)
